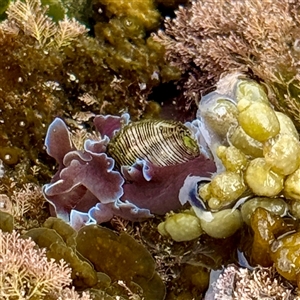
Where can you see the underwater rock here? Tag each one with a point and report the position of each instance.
(89, 189)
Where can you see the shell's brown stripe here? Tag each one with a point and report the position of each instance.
(137, 149)
(148, 148)
(150, 132)
(170, 146)
(157, 146)
(126, 152)
(178, 144)
(166, 154)
(175, 141)
(159, 142)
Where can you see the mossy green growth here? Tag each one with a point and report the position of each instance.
(122, 258)
(6, 222)
(56, 10)
(143, 11)
(123, 28)
(3, 6)
(45, 73)
(27, 105)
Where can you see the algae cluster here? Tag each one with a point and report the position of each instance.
(51, 66)
(110, 263)
(102, 262)
(99, 258)
(208, 39)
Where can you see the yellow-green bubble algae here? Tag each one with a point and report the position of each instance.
(265, 213)
(224, 224)
(250, 90)
(181, 227)
(276, 206)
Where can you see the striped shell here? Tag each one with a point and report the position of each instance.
(162, 143)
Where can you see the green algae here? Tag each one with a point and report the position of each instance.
(6, 222)
(121, 258)
(117, 64)
(56, 9)
(100, 260)
(3, 6)
(132, 260)
(65, 231)
(83, 273)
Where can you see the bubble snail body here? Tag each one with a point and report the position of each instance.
(134, 170)
(161, 143)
